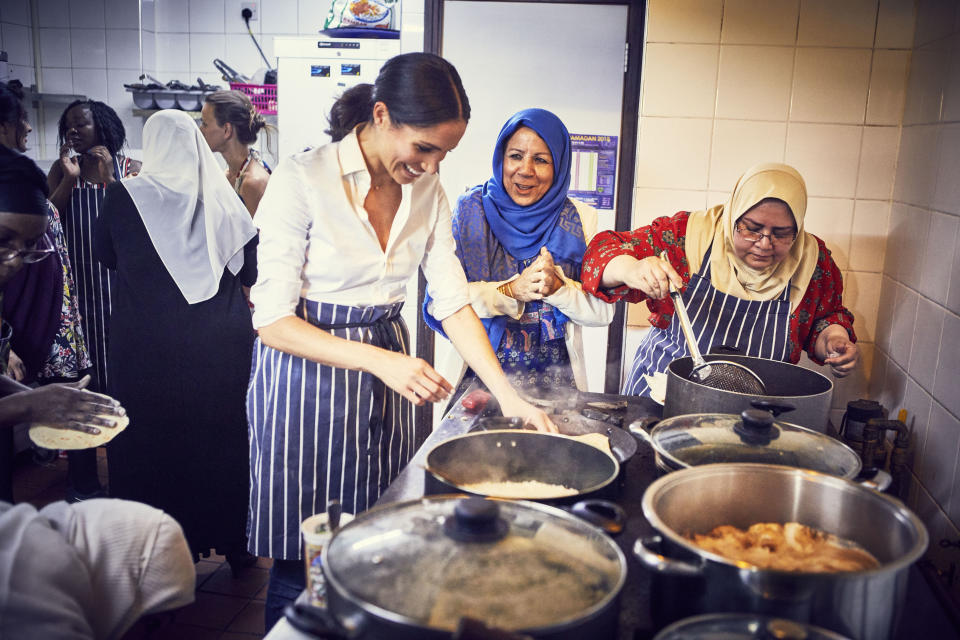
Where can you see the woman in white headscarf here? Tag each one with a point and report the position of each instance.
(89, 570)
(750, 276)
(182, 245)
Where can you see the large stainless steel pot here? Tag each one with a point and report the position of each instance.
(806, 391)
(412, 569)
(865, 605)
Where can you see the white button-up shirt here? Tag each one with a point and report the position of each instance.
(316, 240)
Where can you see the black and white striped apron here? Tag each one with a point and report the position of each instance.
(759, 328)
(319, 433)
(93, 281)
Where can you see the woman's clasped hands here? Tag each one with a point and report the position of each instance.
(538, 280)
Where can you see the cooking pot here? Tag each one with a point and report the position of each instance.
(743, 626)
(804, 392)
(753, 436)
(865, 605)
(517, 456)
(414, 569)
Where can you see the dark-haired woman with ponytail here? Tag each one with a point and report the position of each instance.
(343, 228)
(230, 123)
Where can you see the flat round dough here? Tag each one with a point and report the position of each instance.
(69, 439)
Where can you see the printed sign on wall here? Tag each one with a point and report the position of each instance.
(593, 169)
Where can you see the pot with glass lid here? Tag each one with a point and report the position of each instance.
(418, 569)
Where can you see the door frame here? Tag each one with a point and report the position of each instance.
(626, 159)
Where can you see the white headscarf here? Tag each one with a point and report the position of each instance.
(195, 220)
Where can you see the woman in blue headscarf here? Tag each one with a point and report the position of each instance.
(521, 242)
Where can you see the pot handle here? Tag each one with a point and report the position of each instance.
(874, 478)
(604, 514)
(315, 622)
(639, 429)
(644, 549)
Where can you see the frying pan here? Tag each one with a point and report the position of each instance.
(622, 444)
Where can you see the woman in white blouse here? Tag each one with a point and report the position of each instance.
(342, 229)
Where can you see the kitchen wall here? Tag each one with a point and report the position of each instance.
(916, 366)
(817, 84)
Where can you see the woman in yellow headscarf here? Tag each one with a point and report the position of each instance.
(750, 275)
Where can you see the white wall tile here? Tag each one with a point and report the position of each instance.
(826, 155)
(832, 220)
(91, 83)
(953, 297)
(683, 21)
(148, 15)
(204, 47)
(649, 204)
(877, 373)
(16, 12)
(173, 16)
(760, 22)
(946, 196)
(117, 96)
(55, 47)
(894, 387)
(89, 48)
(87, 14)
(925, 85)
(917, 402)
(895, 23)
(57, 80)
(827, 23)
(411, 37)
(18, 43)
(925, 347)
(207, 16)
(26, 75)
(937, 258)
(53, 13)
(311, 16)
(830, 85)
(878, 159)
(904, 321)
(917, 165)
(888, 297)
(888, 85)
(739, 144)
(935, 19)
(741, 93)
(123, 49)
(149, 49)
(901, 217)
(861, 295)
(233, 17)
(241, 54)
(871, 220)
(279, 17)
(673, 153)
(948, 368)
(413, 6)
(950, 111)
(173, 53)
(913, 234)
(679, 79)
(940, 454)
(124, 14)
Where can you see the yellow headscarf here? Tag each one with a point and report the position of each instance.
(715, 226)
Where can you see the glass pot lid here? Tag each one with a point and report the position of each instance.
(743, 626)
(752, 436)
(512, 565)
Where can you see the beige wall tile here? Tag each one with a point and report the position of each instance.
(948, 369)
(935, 19)
(877, 372)
(888, 85)
(946, 195)
(895, 23)
(739, 144)
(925, 348)
(674, 153)
(754, 82)
(894, 384)
(939, 458)
(861, 295)
(830, 85)
(925, 85)
(953, 297)
(683, 21)
(680, 79)
(828, 23)
(653, 203)
(878, 158)
(871, 220)
(832, 220)
(911, 236)
(826, 155)
(760, 22)
(901, 330)
(950, 112)
(937, 257)
(917, 165)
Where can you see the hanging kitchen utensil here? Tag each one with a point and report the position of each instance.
(228, 73)
(718, 374)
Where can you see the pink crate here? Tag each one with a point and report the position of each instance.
(263, 96)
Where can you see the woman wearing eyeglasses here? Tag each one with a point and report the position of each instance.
(749, 274)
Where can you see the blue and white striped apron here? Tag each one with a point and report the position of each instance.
(319, 433)
(93, 281)
(759, 328)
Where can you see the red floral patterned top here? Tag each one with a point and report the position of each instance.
(821, 306)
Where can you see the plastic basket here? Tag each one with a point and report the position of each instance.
(263, 96)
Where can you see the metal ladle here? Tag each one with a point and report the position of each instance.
(717, 374)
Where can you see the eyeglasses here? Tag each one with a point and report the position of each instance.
(777, 237)
(41, 250)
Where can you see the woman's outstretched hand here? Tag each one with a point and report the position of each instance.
(413, 378)
(651, 275)
(515, 406)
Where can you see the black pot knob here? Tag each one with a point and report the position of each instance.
(756, 427)
(776, 408)
(475, 520)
